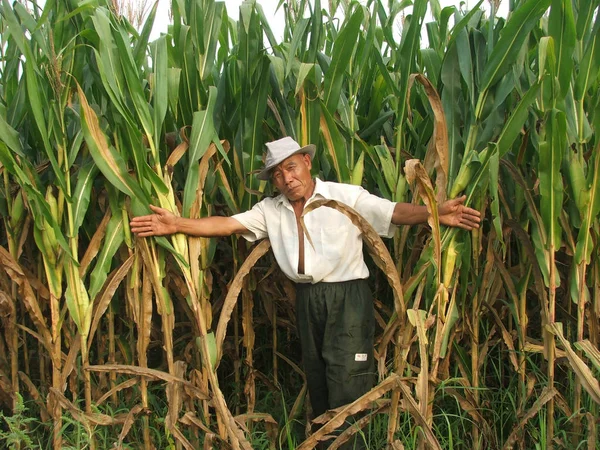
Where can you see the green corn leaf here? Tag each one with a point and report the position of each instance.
(584, 17)
(358, 170)
(514, 34)
(252, 135)
(173, 80)
(304, 71)
(463, 22)
(37, 203)
(35, 95)
(78, 301)
(590, 64)
(589, 210)
(160, 92)
(214, 17)
(316, 31)
(551, 186)
(407, 56)
(109, 162)
(83, 190)
(112, 241)
(32, 26)
(14, 28)
(134, 84)
(451, 99)
(514, 124)
(203, 133)
(465, 63)
(573, 166)
(297, 38)
(85, 5)
(211, 344)
(335, 145)
(277, 71)
(139, 51)
(343, 50)
(107, 58)
(433, 64)
(10, 136)
(494, 168)
(387, 166)
(561, 26)
(265, 26)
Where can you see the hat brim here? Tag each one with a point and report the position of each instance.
(265, 174)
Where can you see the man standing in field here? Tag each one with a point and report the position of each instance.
(334, 307)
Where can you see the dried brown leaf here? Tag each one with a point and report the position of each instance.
(583, 372)
(180, 437)
(233, 293)
(106, 294)
(163, 302)
(175, 397)
(411, 405)
(191, 420)
(507, 338)
(590, 350)
(417, 319)
(592, 435)
(144, 318)
(16, 274)
(415, 173)
(87, 419)
(546, 395)
(149, 373)
(243, 419)
(22, 240)
(36, 396)
(38, 286)
(437, 151)
(176, 155)
(375, 245)
(356, 426)
(129, 420)
(358, 405)
(469, 405)
(119, 387)
(397, 445)
(69, 363)
(95, 244)
(7, 314)
(535, 347)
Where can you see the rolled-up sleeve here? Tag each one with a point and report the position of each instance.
(254, 221)
(377, 211)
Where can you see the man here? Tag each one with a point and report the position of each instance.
(334, 308)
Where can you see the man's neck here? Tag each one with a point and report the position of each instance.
(298, 204)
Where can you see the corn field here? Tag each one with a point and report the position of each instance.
(486, 339)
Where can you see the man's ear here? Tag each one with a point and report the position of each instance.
(307, 160)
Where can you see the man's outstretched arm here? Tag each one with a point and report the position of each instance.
(164, 222)
(453, 213)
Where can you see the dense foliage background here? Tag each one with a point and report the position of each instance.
(487, 339)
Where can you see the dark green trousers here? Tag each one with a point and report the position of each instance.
(336, 325)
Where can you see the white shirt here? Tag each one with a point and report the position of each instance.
(337, 254)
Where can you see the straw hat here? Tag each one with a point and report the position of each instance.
(280, 150)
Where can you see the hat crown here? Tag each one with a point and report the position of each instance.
(280, 150)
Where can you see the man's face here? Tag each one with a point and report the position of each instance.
(292, 177)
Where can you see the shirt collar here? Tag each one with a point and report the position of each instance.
(321, 190)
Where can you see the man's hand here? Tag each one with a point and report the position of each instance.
(454, 214)
(160, 223)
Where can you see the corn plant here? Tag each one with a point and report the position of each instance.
(97, 122)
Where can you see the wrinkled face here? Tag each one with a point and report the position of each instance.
(292, 177)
